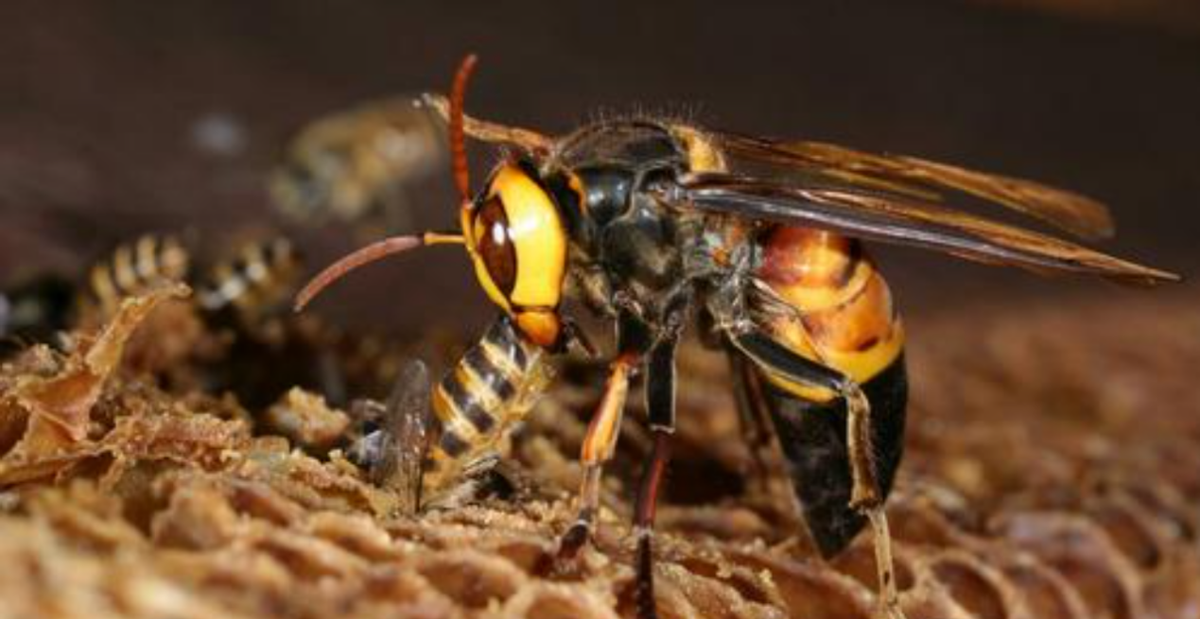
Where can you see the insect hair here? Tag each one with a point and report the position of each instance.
(675, 112)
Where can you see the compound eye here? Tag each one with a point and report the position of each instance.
(495, 246)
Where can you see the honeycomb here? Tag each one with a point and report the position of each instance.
(1052, 471)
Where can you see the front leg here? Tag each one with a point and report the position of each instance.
(599, 444)
(635, 337)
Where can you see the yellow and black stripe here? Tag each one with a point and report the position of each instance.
(136, 268)
(841, 312)
(479, 402)
(819, 295)
(260, 277)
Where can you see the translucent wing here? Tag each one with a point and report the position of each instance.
(896, 218)
(1068, 211)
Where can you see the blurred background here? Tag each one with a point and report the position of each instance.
(122, 117)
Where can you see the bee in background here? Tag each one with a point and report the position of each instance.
(252, 285)
(361, 165)
(46, 308)
(655, 224)
(133, 269)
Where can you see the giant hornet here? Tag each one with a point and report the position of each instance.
(652, 224)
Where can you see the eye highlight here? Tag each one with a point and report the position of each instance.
(494, 245)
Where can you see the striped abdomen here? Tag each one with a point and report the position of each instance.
(481, 401)
(820, 296)
(838, 309)
(135, 269)
(259, 279)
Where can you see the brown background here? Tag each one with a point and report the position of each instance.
(99, 103)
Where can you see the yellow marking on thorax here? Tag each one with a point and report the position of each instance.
(703, 155)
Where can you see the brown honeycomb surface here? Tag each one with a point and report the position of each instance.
(1053, 471)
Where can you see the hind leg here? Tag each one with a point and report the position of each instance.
(866, 494)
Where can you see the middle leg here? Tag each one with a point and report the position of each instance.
(660, 409)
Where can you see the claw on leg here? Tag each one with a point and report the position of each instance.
(598, 448)
(644, 594)
(889, 596)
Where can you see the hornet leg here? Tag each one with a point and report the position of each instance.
(866, 495)
(753, 416)
(598, 446)
(660, 408)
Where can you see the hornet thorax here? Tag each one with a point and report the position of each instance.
(627, 247)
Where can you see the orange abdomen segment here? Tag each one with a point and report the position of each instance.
(842, 313)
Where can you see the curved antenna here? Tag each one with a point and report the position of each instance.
(358, 258)
(367, 255)
(458, 147)
(398, 244)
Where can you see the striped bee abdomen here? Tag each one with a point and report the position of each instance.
(259, 278)
(481, 401)
(135, 268)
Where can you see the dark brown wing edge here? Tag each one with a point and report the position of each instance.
(893, 219)
(1068, 211)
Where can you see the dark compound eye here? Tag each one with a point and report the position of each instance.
(494, 245)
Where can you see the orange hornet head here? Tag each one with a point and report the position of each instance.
(512, 230)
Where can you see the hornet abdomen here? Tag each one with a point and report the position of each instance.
(820, 296)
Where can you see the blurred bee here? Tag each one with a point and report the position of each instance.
(133, 269)
(653, 224)
(253, 283)
(258, 350)
(359, 166)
